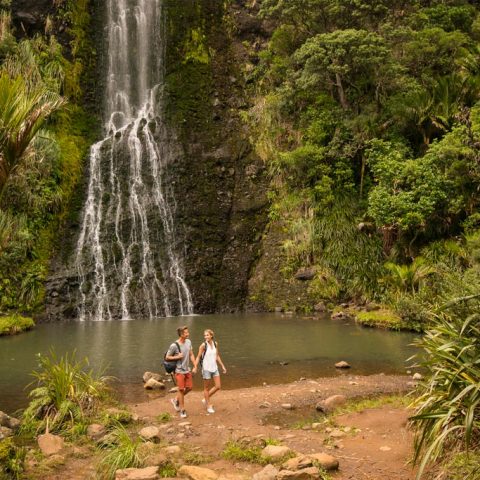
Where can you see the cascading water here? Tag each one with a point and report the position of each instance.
(127, 253)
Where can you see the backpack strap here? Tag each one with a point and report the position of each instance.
(178, 346)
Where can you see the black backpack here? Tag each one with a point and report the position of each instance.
(205, 351)
(170, 365)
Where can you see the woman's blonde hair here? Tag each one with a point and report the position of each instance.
(209, 331)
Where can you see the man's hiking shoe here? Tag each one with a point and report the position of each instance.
(210, 410)
(175, 404)
(183, 414)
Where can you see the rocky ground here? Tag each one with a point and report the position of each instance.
(316, 422)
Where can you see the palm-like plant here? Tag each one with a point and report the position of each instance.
(409, 278)
(23, 111)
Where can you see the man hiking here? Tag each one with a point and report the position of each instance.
(183, 375)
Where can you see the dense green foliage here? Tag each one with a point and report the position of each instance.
(447, 416)
(41, 147)
(367, 116)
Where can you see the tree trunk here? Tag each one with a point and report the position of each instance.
(341, 91)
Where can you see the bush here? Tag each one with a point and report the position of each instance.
(66, 393)
(11, 459)
(447, 411)
(14, 324)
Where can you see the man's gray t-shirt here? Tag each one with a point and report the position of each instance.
(183, 363)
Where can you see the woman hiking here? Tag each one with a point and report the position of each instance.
(209, 357)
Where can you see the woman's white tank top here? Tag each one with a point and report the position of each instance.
(210, 358)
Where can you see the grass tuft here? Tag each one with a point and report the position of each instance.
(13, 324)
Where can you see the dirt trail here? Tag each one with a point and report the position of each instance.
(376, 445)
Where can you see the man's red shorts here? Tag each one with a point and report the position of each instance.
(184, 380)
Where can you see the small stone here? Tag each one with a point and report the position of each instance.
(327, 462)
(337, 433)
(320, 307)
(316, 425)
(197, 473)
(148, 473)
(287, 406)
(50, 444)
(276, 427)
(297, 463)
(268, 473)
(275, 451)
(417, 376)
(173, 450)
(304, 474)
(96, 431)
(278, 309)
(5, 432)
(8, 421)
(385, 449)
(173, 390)
(342, 364)
(148, 375)
(150, 433)
(153, 384)
(184, 424)
(265, 405)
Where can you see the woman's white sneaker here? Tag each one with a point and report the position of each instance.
(210, 410)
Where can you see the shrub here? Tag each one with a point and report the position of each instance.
(15, 324)
(65, 393)
(447, 411)
(11, 459)
(238, 451)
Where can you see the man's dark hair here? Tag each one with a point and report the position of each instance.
(180, 330)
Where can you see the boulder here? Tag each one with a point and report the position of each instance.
(305, 474)
(148, 473)
(148, 375)
(96, 431)
(342, 364)
(327, 462)
(150, 434)
(5, 432)
(50, 444)
(275, 451)
(339, 315)
(305, 274)
(197, 473)
(268, 473)
(298, 463)
(153, 384)
(9, 422)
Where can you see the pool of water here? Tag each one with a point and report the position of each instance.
(256, 348)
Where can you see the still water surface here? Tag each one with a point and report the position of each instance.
(252, 347)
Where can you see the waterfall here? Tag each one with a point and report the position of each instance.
(128, 257)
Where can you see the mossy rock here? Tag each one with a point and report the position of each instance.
(13, 324)
(382, 318)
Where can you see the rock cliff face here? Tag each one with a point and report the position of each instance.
(218, 182)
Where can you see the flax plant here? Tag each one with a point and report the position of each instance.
(447, 412)
(66, 393)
